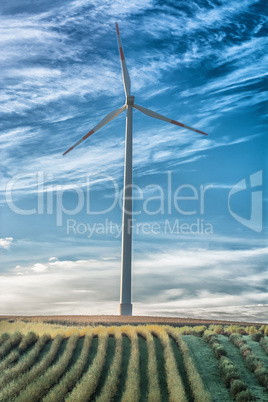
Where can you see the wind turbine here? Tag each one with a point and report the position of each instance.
(125, 291)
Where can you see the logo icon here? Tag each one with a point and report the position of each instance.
(255, 220)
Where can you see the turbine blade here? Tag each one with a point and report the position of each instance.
(126, 79)
(102, 123)
(158, 116)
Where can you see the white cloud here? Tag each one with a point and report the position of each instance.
(168, 281)
(6, 242)
(53, 259)
(39, 268)
(197, 258)
(81, 291)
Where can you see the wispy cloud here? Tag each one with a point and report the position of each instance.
(71, 170)
(119, 8)
(194, 17)
(45, 84)
(246, 75)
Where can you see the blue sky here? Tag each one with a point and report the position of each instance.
(199, 62)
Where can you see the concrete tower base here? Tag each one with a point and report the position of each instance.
(125, 309)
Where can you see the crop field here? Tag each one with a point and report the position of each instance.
(54, 362)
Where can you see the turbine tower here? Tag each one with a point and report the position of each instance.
(125, 290)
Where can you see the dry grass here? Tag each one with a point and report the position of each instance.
(154, 393)
(25, 363)
(12, 341)
(197, 386)
(58, 393)
(109, 389)
(87, 385)
(132, 387)
(15, 386)
(38, 388)
(174, 382)
(27, 380)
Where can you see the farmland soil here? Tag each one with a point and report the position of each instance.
(118, 320)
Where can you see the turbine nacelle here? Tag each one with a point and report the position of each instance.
(130, 100)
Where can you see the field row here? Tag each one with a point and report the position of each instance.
(134, 363)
